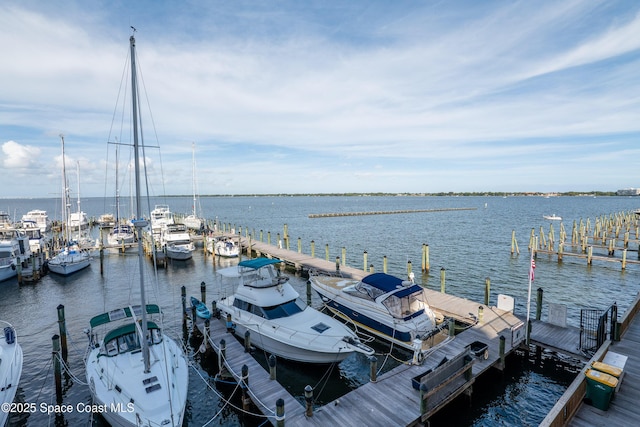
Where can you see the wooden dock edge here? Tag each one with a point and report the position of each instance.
(568, 404)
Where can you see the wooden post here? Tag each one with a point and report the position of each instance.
(364, 257)
(313, 249)
(502, 351)
(337, 264)
(442, 280)
(272, 367)
(299, 245)
(624, 258)
(268, 237)
(452, 327)
(63, 332)
(344, 256)
(247, 341)
(19, 269)
(423, 399)
(57, 368)
(373, 369)
(590, 255)
(487, 290)
(539, 304)
(279, 240)
(384, 264)
(244, 386)
(326, 252)
(308, 399)
(309, 292)
(480, 314)
(371, 269)
(206, 333)
(280, 417)
(409, 270)
(222, 354)
(203, 292)
(101, 258)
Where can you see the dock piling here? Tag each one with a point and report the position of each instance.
(63, 332)
(442, 280)
(308, 400)
(272, 367)
(280, 417)
(203, 292)
(487, 290)
(57, 367)
(247, 341)
(373, 369)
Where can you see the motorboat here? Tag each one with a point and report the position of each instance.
(40, 217)
(176, 242)
(38, 241)
(393, 309)
(201, 308)
(255, 297)
(132, 367)
(71, 258)
(553, 217)
(106, 220)
(161, 216)
(224, 247)
(14, 250)
(11, 359)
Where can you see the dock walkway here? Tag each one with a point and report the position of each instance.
(623, 410)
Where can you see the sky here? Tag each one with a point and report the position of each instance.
(325, 96)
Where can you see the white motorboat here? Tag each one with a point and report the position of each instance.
(71, 258)
(40, 217)
(10, 367)
(553, 217)
(177, 242)
(386, 306)
(224, 247)
(14, 249)
(161, 216)
(279, 322)
(38, 241)
(132, 367)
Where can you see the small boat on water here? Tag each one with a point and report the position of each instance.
(386, 306)
(553, 217)
(11, 359)
(279, 322)
(38, 241)
(201, 308)
(224, 247)
(177, 242)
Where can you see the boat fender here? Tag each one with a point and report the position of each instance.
(13, 266)
(420, 357)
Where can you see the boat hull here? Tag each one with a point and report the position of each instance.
(69, 266)
(11, 359)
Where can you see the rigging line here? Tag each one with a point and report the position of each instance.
(67, 369)
(45, 378)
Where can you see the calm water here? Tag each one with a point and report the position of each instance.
(471, 245)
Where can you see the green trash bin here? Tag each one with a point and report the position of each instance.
(600, 388)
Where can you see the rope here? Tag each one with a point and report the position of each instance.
(68, 370)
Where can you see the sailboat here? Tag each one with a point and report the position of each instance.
(135, 370)
(120, 234)
(71, 258)
(192, 221)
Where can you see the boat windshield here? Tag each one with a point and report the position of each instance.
(127, 339)
(407, 306)
(284, 310)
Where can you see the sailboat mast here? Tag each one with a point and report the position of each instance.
(65, 196)
(139, 222)
(193, 175)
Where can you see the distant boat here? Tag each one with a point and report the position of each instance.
(553, 217)
(40, 217)
(224, 247)
(193, 221)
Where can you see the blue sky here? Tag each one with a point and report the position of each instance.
(326, 96)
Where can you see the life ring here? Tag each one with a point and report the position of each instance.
(485, 355)
(420, 358)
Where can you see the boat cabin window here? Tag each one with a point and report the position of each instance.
(129, 340)
(406, 306)
(284, 310)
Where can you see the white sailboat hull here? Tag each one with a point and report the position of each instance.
(67, 263)
(116, 381)
(10, 367)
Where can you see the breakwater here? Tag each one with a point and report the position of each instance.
(403, 211)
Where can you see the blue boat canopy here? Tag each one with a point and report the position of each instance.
(387, 283)
(258, 263)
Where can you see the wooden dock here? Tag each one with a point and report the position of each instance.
(571, 410)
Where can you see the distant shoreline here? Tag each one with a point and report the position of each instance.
(440, 194)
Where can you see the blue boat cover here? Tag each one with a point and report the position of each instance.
(258, 262)
(387, 283)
